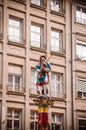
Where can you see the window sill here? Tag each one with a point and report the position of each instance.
(16, 44)
(38, 49)
(58, 98)
(81, 98)
(80, 23)
(19, 1)
(43, 8)
(15, 92)
(78, 59)
(33, 95)
(57, 13)
(58, 54)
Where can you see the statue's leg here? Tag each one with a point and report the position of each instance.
(39, 90)
(43, 89)
(46, 89)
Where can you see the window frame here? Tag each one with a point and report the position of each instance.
(14, 86)
(35, 120)
(55, 93)
(15, 71)
(80, 93)
(59, 40)
(56, 123)
(39, 34)
(81, 118)
(41, 5)
(20, 39)
(13, 118)
(80, 20)
(83, 45)
(61, 9)
(32, 89)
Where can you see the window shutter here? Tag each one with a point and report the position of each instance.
(81, 86)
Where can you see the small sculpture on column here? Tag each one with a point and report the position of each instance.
(43, 69)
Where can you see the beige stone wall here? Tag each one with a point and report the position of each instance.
(27, 57)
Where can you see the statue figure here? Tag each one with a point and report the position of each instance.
(43, 68)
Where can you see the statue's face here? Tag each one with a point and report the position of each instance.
(43, 59)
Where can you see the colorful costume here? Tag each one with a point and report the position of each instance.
(42, 77)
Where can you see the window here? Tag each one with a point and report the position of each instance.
(57, 6)
(37, 36)
(15, 30)
(81, 87)
(82, 123)
(33, 81)
(57, 121)
(56, 85)
(33, 120)
(81, 50)
(81, 15)
(15, 78)
(41, 3)
(56, 41)
(13, 119)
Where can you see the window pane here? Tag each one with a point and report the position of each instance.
(10, 80)
(17, 113)
(17, 81)
(9, 124)
(57, 5)
(36, 36)
(82, 124)
(56, 84)
(9, 114)
(81, 50)
(16, 124)
(37, 2)
(81, 15)
(56, 44)
(15, 30)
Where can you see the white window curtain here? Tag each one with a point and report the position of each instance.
(14, 69)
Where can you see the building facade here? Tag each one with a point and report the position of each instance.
(29, 29)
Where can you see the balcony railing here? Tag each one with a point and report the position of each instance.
(81, 20)
(57, 95)
(15, 89)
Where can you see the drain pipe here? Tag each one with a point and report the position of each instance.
(71, 41)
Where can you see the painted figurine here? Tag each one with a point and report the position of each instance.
(43, 68)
